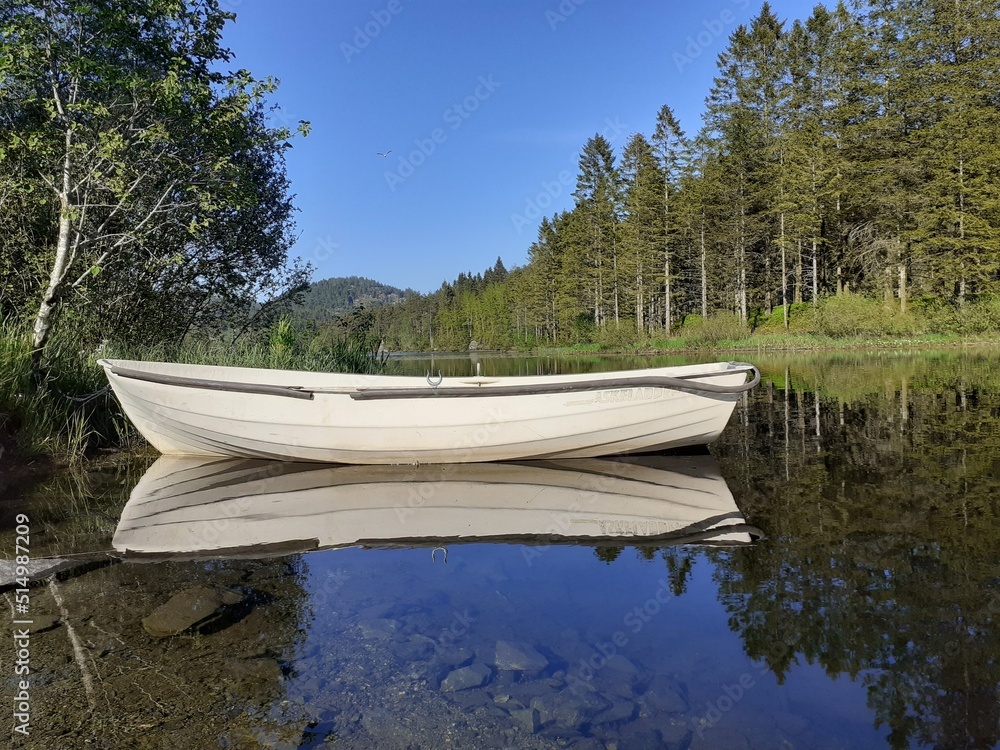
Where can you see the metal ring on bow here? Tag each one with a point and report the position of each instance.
(443, 549)
(432, 383)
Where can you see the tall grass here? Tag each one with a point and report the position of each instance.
(61, 411)
(285, 346)
(67, 411)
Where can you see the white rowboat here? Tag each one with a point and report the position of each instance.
(198, 507)
(203, 410)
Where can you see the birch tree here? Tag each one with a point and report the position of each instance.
(129, 127)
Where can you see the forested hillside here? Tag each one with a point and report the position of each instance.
(328, 298)
(852, 156)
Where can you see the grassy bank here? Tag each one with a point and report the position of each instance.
(774, 342)
(60, 413)
(846, 322)
(66, 411)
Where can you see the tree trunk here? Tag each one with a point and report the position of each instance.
(815, 289)
(902, 275)
(902, 287)
(741, 284)
(704, 273)
(666, 254)
(784, 275)
(798, 271)
(640, 302)
(768, 301)
(60, 266)
(667, 312)
(614, 268)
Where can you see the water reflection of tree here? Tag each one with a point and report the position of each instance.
(679, 562)
(72, 511)
(884, 526)
(227, 681)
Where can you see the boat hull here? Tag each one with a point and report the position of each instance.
(198, 410)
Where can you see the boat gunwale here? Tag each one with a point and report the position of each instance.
(693, 534)
(684, 382)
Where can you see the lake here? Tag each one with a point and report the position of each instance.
(854, 605)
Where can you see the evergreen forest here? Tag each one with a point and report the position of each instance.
(845, 180)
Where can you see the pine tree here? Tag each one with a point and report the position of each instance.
(741, 119)
(890, 178)
(642, 230)
(957, 228)
(597, 195)
(671, 149)
(808, 154)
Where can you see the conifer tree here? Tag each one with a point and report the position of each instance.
(642, 229)
(597, 195)
(671, 149)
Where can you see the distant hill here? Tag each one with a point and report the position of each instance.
(330, 297)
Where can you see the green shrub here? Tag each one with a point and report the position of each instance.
(801, 319)
(283, 339)
(720, 327)
(854, 315)
(583, 329)
(620, 337)
(982, 316)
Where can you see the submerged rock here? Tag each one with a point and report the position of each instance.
(453, 656)
(518, 657)
(379, 628)
(569, 708)
(264, 669)
(622, 665)
(665, 695)
(472, 676)
(527, 718)
(414, 649)
(195, 609)
(621, 710)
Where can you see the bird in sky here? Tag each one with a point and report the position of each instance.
(384, 153)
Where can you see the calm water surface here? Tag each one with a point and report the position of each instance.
(864, 618)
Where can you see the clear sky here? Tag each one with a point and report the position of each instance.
(485, 107)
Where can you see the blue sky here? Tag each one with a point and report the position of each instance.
(485, 107)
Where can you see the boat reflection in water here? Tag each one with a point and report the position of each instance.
(202, 507)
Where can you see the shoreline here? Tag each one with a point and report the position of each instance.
(768, 346)
(19, 467)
